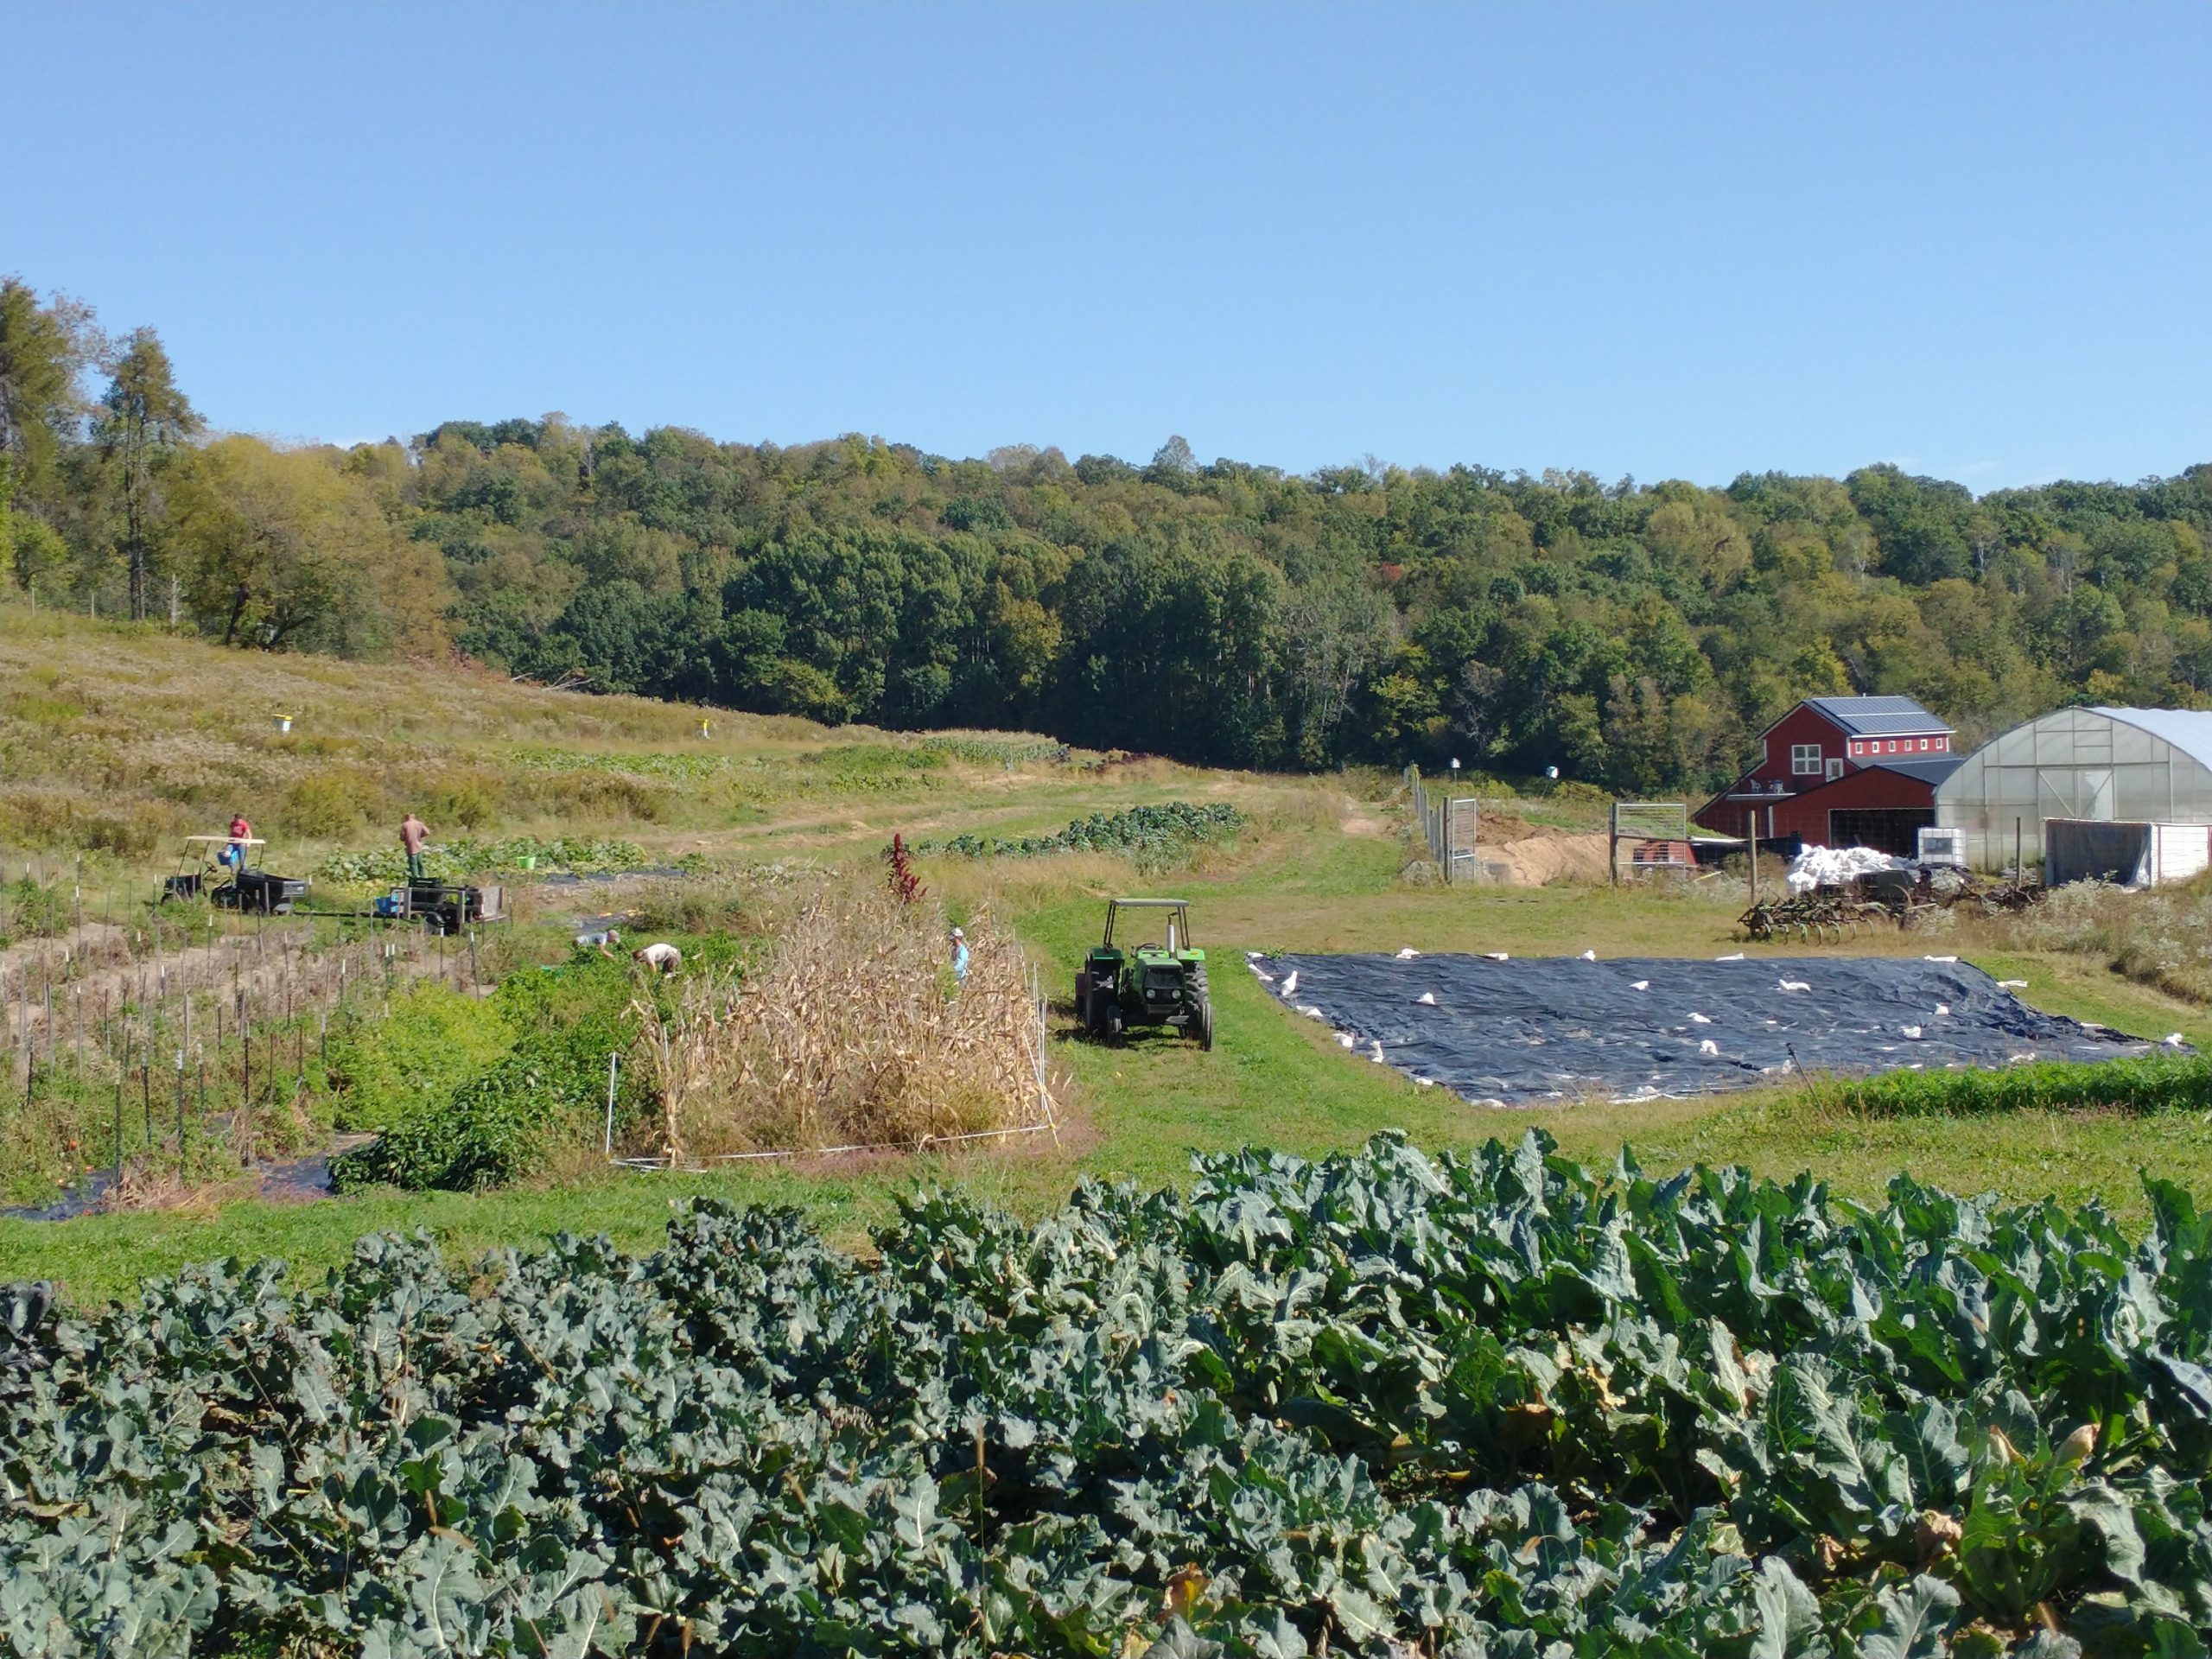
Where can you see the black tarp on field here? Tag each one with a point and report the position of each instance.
(1559, 1027)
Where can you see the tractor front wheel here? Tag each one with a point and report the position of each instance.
(1205, 1027)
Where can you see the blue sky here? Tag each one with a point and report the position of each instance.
(1665, 240)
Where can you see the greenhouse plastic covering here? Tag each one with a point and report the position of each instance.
(1546, 1029)
(2143, 766)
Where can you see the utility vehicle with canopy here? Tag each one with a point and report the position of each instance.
(199, 875)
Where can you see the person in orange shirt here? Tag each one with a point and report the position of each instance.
(414, 836)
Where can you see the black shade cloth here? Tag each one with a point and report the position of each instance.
(2075, 850)
(1554, 1028)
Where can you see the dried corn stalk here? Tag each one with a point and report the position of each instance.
(852, 1034)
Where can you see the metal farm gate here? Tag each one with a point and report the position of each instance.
(1447, 824)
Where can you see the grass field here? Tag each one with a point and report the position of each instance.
(95, 717)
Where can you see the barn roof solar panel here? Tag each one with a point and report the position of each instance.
(1878, 717)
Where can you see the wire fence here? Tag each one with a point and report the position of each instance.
(168, 1039)
(1448, 823)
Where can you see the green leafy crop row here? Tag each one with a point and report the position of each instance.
(650, 764)
(429, 1042)
(1147, 834)
(1488, 1404)
(2151, 1084)
(452, 861)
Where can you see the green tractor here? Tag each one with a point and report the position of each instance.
(1159, 983)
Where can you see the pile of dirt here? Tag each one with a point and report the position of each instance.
(1501, 827)
(1535, 861)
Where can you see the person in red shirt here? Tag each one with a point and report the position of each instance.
(241, 832)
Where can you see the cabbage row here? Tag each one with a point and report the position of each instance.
(1380, 1404)
(1166, 831)
(454, 861)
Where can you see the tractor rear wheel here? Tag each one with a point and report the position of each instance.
(1083, 997)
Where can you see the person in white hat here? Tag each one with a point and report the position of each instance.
(959, 956)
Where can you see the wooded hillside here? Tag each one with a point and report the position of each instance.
(1633, 635)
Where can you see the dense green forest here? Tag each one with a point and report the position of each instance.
(1633, 635)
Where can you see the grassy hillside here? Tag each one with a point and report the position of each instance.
(153, 735)
(116, 739)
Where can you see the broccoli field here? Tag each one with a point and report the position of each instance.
(1385, 1403)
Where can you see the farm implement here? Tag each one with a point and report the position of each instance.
(442, 907)
(208, 873)
(1880, 898)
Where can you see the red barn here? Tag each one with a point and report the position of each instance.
(1841, 772)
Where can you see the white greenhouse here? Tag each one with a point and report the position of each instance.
(2150, 767)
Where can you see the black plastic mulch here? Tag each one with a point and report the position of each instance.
(1545, 1028)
